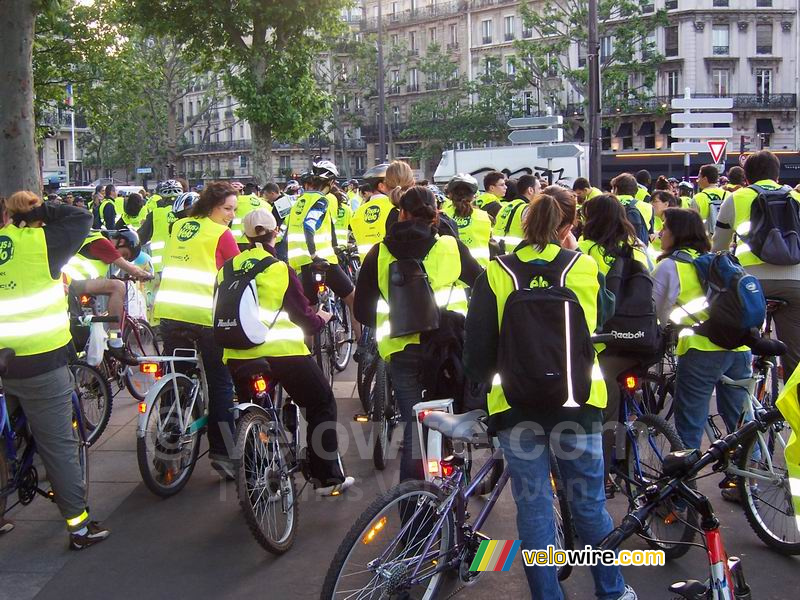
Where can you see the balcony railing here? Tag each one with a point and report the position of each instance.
(721, 50)
(355, 144)
(62, 118)
(432, 85)
(423, 13)
(413, 87)
(487, 39)
(662, 104)
(508, 37)
(764, 49)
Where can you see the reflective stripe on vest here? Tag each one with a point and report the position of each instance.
(163, 217)
(284, 337)
(187, 282)
(33, 309)
(102, 208)
(79, 267)
(443, 267)
(474, 231)
(342, 222)
(368, 223)
(298, 251)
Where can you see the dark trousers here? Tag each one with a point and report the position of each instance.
(305, 383)
(405, 368)
(220, 385)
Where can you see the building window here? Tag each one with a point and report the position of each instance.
(763, 83)
(191, 109)
(241, 131)
(395, 87)
(671, 4)
(285, 163)
(764, 38)
(649, 45)
(242, 161)
(581, 54)
(413, 80)
(432, 35)
(720, 35)
(394, 39)
(412, 42)
(454, 35)
(720, 80)
(648, 133)
(510, 69)
(489, 66)
(508, 28)
(191, 137)
(527, 103)
(61, 153)
(413, 6)
(671, 40)
(720, 3)
(673, 83)
(396, 115)
(360, 161)
(763, 3)
(606, 47)
(395, 11)
(486, 30)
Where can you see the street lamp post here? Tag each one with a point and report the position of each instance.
(381, 98)
(594, 109)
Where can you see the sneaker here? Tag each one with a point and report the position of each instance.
(729, 481)
(94, 533)
(734, 494)
(224, 466)
(123, 356)
(628, 594)
(5, 526)
(336, 489)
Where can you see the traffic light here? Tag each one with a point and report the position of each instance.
(744, 143)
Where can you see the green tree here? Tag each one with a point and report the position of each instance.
(267, 49)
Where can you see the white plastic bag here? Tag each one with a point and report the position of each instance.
(97, 344)
(137, 306)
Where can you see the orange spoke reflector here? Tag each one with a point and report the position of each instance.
(373, 531)
(263, 437)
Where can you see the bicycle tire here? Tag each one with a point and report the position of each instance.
(4, 477)
(83, 447)
(382, 417)
(647, 471)
(474, 464)
(323, 348)
(658, 393)
(145, 344)
(754, 497)
(388, 506)
(565, 528)
(169, 482)
(344, 327)
(254, 481)
(94, 396)
(365, 374)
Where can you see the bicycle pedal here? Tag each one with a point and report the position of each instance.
(361, 418)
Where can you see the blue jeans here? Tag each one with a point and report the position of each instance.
(405, 368)
(698, 374)
(580, 457)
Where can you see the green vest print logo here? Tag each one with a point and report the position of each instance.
(188, 231)
(372, 214)
(6, 249)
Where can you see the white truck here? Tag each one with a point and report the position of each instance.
(516, 161)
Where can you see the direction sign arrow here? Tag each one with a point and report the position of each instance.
(707, 117)
(546, 121)
(701, 132)
(559, 151)
(689, 147)
(529, 136)
(144, 170)
(702, 103)
(716, 148)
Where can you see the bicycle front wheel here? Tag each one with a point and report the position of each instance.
(94, 396)
(79, 433)
(765, 490)
(168, 451)
(383, 416)
(265, 486)
(140, 340)
(324, 352)
(382, 550)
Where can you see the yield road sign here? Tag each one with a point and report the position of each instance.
(701, 132)
(685, 118)
(546, 121)
(689, 147)
(702, 103)
(559, 151)
(716, 148)
(531, 136)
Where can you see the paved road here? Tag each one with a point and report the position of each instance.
(196, 545)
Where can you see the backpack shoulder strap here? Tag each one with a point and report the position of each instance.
(682, 256)
(261, 266)
(514, 210)
(520, 271)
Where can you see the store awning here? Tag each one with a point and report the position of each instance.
(764, 126)
(666, 128)
(625, 130)
(647, 128)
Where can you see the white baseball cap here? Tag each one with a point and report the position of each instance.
(260, 217)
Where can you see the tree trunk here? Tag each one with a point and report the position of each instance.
(262, 153)
(19, 161)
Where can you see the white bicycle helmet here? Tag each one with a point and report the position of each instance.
(464, 179)
(325, 169)
(169, 188)
(184, 201)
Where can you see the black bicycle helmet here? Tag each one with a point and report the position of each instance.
(126, 238)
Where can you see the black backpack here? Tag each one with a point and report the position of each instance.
(545, 354)
(636, 219)
(412, 303)
(236, 317)
(634, 324)
(774, 235)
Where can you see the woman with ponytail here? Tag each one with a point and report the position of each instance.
(474, 225)
(516, 319)
(404, 284)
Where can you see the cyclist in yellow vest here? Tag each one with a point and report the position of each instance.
(643, 180)
(288, 315)
(523, 430)
(108, 208)
(34, 323)
(789, 406)
(491, 200)
(474, 226)
(133, 214)
(156, 227)
(685, 192)
(508, 229)
(782, 281)
(445, 263)
(584, 190)
(625, 189)
(344, 214)
(246, 202)
(372, 219)
(681, 299)
(198, 247)
(661, 200)
(353, 196)
(710, 197)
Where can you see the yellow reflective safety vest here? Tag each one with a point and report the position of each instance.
(299, 253)
(654, 249)
(119, 205)
(508, 224)
(486, 198)
(244, 206)
(105, 202)
(33, 305)
(369, 222)
(186, 292)
(702, 199)
(593, 192)
(789, 406)
(604, 261)
(163, 218)
(284, 338)
(642, 195)
(581, 278)
(443, 267)
(474, 231)
(79, 267)
(342, 221)
(742, 203)
(644, 208)
(152, 202)
(134, 222)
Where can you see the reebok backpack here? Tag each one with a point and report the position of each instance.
(545, 354)
(774, 235)
(236, 319)
(636, 219)
(634, 324)
(736, 303)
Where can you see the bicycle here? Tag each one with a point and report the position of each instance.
(18, 474)
(326, 349)
(726, 577)
(172, 418)
(422, 527)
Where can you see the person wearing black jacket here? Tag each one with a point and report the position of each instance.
(446, 261)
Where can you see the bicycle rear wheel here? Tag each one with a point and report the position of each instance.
(140, 340)
(324, 352)
(4, 476)
(342, 335)
(265, 487)
(649, 439)
(365, 375)
(380, 552)
(168, 452)
(768, 504)
(383, 416)
(94, 396)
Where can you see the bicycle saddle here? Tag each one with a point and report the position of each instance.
(468, 427)
(6, 354)
(768, 347)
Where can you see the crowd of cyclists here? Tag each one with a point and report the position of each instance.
(520, 275)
